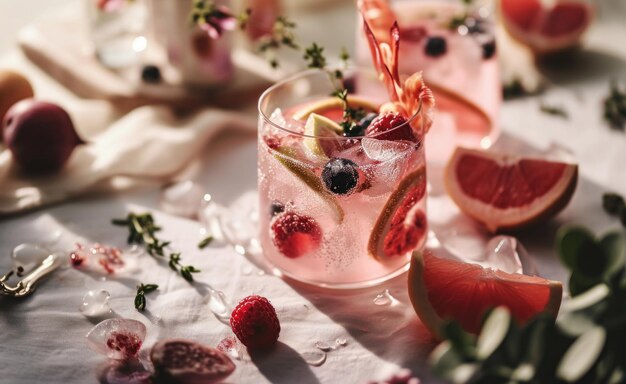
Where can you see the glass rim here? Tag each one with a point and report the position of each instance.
(308, 72)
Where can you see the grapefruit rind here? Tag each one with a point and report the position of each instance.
(286, 157)
(540, 209)
(375, 244)
(418, 294)
(333, 103)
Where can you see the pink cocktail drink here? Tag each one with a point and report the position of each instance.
(338, 209)
(454, 45)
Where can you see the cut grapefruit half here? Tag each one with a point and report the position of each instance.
(505, 192)
(401, 225)
(443, 289)
(546, 26)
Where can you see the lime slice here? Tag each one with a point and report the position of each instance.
(333, 103)
(319, 126)
(287, 157)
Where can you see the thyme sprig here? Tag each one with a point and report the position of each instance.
(140, 297)
(282, 35)
(142, 231)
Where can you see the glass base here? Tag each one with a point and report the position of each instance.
(339, 286)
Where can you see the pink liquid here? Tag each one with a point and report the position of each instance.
(465, 83)
(342, 258)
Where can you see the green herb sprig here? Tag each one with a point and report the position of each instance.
(584, 345)
(282, 35)
(140, 297)
(615, 107)
(142, 231)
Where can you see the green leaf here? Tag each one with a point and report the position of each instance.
(582, 355)
(186, 274)
(444, 359)
(205, 242)
(579, 284)
(614, 246)
(493, 332)
(589, 298)
(570, 240)
(140, 302)
(460, 340)
(147, 288)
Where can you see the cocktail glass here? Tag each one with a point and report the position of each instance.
(453, 43)
(336, 211)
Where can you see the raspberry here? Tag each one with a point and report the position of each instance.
(390, 126)
(255, 323)
(295, 235)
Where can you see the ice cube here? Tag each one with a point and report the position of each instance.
(385, 150)
(118, 339)
(182, 199)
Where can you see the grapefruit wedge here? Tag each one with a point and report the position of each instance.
(506, 192)
(544, 26)
(443, 289)
(401, 225)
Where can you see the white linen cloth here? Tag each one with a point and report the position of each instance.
(42, 336)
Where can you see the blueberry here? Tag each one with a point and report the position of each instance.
(367, 120)
(435, 46)
(276, 207)
(340, 176)
(151, 74)
(489, 49)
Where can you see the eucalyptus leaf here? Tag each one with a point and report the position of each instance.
(591, 297)
(614, 246)
(460, 340)
(569, 241)
(493, 332)
(523, 372)
(463, 373)
(575, 324)
(582, 355)
(444, 359)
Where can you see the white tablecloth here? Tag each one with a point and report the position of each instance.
(43, 335)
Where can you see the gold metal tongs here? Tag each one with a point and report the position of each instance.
(34, 271)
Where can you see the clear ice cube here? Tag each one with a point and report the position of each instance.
(385, 150)
(95, 304)
(182, 199)
(118, 339)
(26, 257)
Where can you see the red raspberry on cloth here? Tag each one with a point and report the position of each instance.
(385, 127)
(255, 323)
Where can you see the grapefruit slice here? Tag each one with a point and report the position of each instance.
(401, 225)
(505, 192)
(332, 107)
(544, 27)
(443, 289)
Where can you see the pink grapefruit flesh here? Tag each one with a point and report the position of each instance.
(546, 28)
(505, 192)
(444, 289)
(401, 225)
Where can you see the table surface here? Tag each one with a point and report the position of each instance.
(43, 336)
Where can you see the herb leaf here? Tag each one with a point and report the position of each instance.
(205, 242)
